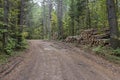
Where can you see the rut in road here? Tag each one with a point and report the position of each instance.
(47, 60)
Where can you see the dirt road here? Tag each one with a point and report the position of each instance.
(59, 61)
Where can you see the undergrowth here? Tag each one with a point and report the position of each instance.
(108, 53)
(3, 58)
(12, 52)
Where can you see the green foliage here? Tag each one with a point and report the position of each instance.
(99, 50)
(66, 26)
(104, 51)
(21, 42)
(116, 52)
(3, 58)
(25, 34)
(108, 53)
(10, 46)
(22, 45)
(10, 32)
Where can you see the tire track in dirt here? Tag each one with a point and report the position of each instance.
(49, 60)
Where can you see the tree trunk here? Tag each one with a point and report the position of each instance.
(72, 18)
(59, 17)
(88, 21)
(112, 18)
(49, 17)
(21, 16)
(21, 21)
(5, 34)
(44, 19)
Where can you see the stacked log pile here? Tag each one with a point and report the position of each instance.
(92, 37)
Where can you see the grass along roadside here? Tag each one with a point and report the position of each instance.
(4, 58)
(108, 53)
(9, 62)
(104, 52)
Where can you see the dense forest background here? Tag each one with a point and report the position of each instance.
(55, 19)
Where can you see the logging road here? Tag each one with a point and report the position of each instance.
(50, 60)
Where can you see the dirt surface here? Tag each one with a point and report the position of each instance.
(49, 60)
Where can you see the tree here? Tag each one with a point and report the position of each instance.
(60, 17)
(88, 20)
(72, 16)
(112, 18)
(6, 13)
(44, 18)
(21, 20)
(49, 17)
(81, 9)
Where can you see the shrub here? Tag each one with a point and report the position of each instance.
(98, 50)
(10, 46)
(116, 52)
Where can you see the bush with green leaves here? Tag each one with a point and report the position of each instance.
(107, 51)
(99, 50)
(10, 46)
(116, 52)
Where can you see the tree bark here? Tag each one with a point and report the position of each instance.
(88, 21)
(59, 17)
(49, 17)
(21, 16)
(21, 20)
(112, 18)
(72, 19)
(5, 34)
(44, 19)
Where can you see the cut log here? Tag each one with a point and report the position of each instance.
(92, 37)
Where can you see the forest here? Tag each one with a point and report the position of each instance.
(88, 22)
(60, 39)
